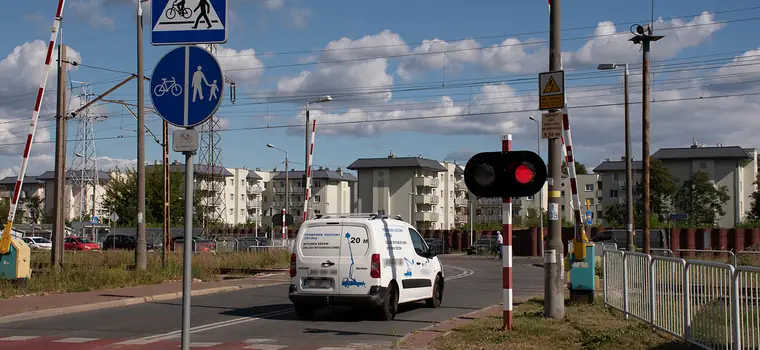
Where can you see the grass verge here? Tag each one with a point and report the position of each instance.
(85, 271)
(583, 327)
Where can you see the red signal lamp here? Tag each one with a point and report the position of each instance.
(524, 174)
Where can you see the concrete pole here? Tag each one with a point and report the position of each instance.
(141, 254)
(167, 199)
(645, 146)
(187, 251)
(554, 287)
(628, 168)
(59, 194)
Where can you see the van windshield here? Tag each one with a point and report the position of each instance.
(320, 241)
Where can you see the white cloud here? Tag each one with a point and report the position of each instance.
(451, 56)
(364, 71)
(95, 11)
(108, 163)
(300, 17)
(274, 4)
(21, 72)
(242, 66)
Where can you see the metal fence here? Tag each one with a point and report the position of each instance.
(234, 245)
(713, 305)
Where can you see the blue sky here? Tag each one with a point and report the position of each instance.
(272, 42)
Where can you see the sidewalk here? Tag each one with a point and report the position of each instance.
(28, 307)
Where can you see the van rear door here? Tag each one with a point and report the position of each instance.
(318, 257)
(355, 259)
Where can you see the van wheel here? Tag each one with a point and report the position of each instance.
(305, 312)
(390, 305)
(437, 298)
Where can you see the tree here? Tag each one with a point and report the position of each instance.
(699, 198)
(662, 187)
(34, 204)
(121, 196)
(753, 214)
(616, 215)
(580, 169)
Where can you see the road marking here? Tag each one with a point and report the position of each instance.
(265, 347)
(201, 328)
(75, 340)
(20, 338)
(334, 348)
(202, 344)
(463, 274)
(259, 341)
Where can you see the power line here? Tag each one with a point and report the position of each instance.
(324, 124)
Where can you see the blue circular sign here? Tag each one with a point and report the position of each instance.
(187, 86)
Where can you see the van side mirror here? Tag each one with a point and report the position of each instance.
(432, 251)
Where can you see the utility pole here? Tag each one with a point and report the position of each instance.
(141, 254)
(554, 303)
(628, 168)
(643, 35)
(59, 208)
(167, 199)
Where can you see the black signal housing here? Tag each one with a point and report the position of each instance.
(505, 174)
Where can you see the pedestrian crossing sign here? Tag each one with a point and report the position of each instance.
(188, 22)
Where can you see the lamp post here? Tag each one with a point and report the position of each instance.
(631, 246)
(322, 99)
(287, 185)
(541, 192)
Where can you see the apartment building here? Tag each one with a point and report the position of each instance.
(32, 187)
(332, 192)
(590, 191)
(613, 181)
(74, 200)
(489, 210)
(732, 166)
(243, 194)
(432, 193)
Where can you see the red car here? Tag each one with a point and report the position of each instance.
(79, 243)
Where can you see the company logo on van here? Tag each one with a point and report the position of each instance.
(393, 229)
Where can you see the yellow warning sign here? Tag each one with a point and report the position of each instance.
(551, 90)
(551, 86)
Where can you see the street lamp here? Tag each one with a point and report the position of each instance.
(323, 99)
(628, 171)
(541, 192)
(287, 185)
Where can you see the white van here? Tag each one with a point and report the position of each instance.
(363, 260)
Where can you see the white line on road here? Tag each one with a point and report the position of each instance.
(201, 328)
(20, 338)
(237, 321)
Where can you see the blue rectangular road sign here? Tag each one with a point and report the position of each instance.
(679, 216)
(188, 22)
(589, 217)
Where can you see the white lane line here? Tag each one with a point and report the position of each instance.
(201, 328)
(463, 274)
(75, 340)
(265, 347)
(20, 338)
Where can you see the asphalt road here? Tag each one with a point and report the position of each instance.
(264, 315)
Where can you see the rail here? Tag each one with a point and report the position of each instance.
(709, 251)
(713, 305)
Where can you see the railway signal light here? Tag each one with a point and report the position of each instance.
(505, 174)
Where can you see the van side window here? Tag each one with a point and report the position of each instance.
(419, 244)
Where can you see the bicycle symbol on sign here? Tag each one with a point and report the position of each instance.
(176, 8)
(185, 138)
(167, 85)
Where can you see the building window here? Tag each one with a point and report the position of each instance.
(317, 199)
(562, 193)
(317, 183)
(614, 176)
(589, 187)
(232, 197)
(530, 198)
(563, 208)
(232, 212)
(614, 193)
(242, 182)
(589, 202)
(703, 165)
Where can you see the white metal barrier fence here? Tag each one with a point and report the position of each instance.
(709, 304)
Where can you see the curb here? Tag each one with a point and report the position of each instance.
(403, 339)
(31, 315)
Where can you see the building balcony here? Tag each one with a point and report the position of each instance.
(462, 218)
(426, 199)
(621, 184)
(459, 185)
(293, 190)
(254, 189)
(426, 217)
(253, 203)
(461, 202)
(426, 181)
(518, 202)
(599, 207)
(489, 201)
(599, 193)
(212, 186)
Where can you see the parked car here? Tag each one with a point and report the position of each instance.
(200, 244)
(439, 245)
(38, 243)
(482, 245)
(657, 238)
(79, 243)
(126, 242)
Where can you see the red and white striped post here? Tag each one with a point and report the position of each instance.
(506, 223)
(284, 227)
(580, 233)
(307, 185)
(32, 128)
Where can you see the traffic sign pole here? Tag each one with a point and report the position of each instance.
(187, 251)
